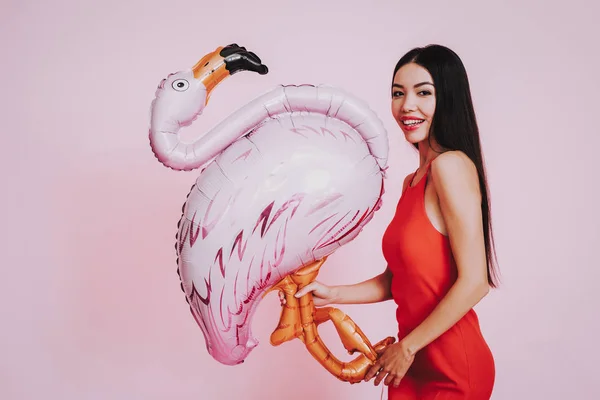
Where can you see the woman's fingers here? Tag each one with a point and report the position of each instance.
(308, 288)
(373, 370)
(320, 302)
(380, 376)
(391, 378)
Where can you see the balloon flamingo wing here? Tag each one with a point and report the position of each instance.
(285, 181)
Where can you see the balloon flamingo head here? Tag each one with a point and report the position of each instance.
(182, 96)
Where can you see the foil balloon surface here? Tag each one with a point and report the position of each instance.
(285, 181)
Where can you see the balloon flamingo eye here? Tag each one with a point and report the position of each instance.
(180, 85)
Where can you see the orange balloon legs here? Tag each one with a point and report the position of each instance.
(299, 319)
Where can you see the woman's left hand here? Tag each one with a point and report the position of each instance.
(392, 365)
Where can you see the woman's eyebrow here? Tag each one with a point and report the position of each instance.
(416, 86)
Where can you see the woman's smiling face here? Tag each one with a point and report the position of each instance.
(413, 101)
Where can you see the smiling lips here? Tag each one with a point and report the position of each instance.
(411, 123)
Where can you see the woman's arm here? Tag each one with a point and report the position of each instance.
(372, 290)
(456, 183)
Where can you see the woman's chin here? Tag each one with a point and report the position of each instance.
(414, 137)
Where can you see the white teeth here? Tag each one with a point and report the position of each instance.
(412, 122)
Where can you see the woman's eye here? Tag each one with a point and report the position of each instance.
(425, 93)
(397, 94)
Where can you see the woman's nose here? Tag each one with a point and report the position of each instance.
(409, 104)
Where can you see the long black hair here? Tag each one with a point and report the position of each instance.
(454, 125)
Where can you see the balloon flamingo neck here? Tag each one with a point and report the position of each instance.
(179, 104)
(215, 67)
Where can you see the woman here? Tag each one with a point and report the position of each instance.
(439, 245)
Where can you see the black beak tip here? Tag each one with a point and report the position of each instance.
(263, 70)
(237, 59)
(231, 49)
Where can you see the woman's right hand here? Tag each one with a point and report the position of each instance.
(322, 294)
(373, 290)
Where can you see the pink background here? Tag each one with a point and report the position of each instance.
(91, 306)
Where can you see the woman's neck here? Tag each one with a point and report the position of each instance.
(428, 153)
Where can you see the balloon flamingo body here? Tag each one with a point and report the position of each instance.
(286, 180)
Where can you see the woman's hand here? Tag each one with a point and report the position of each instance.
(392, 365)
(372, 290)
(322, 294)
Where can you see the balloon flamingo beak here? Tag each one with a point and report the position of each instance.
(223, 62)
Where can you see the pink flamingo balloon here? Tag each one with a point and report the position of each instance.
(287, 180)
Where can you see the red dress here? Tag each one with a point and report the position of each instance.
(459, 364)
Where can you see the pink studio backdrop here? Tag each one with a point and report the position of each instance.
(91, 306)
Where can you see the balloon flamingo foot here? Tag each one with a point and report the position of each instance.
(300, 319)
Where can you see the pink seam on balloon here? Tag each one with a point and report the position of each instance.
(262, 267)
(345, 135)
(219, 257)
(235, 285)
(207, 228)
(335, 238)
(310, 128)
(241, 249)
(324, 203)
(354, 227)
(299, 198)
(264, 283)
(323, 130)
(251, 295)
(193, 236)
(333, 227)
(239, 310)
(322, 222)
(244, 155)
(263, 217)
(241, 325)
(184, 230)
(237, 333)
(246, 314)
(241, 307)
(297, 130)
(296, 198)
(278, 259)
(195, 293)
(226, 325)
(248, 277)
